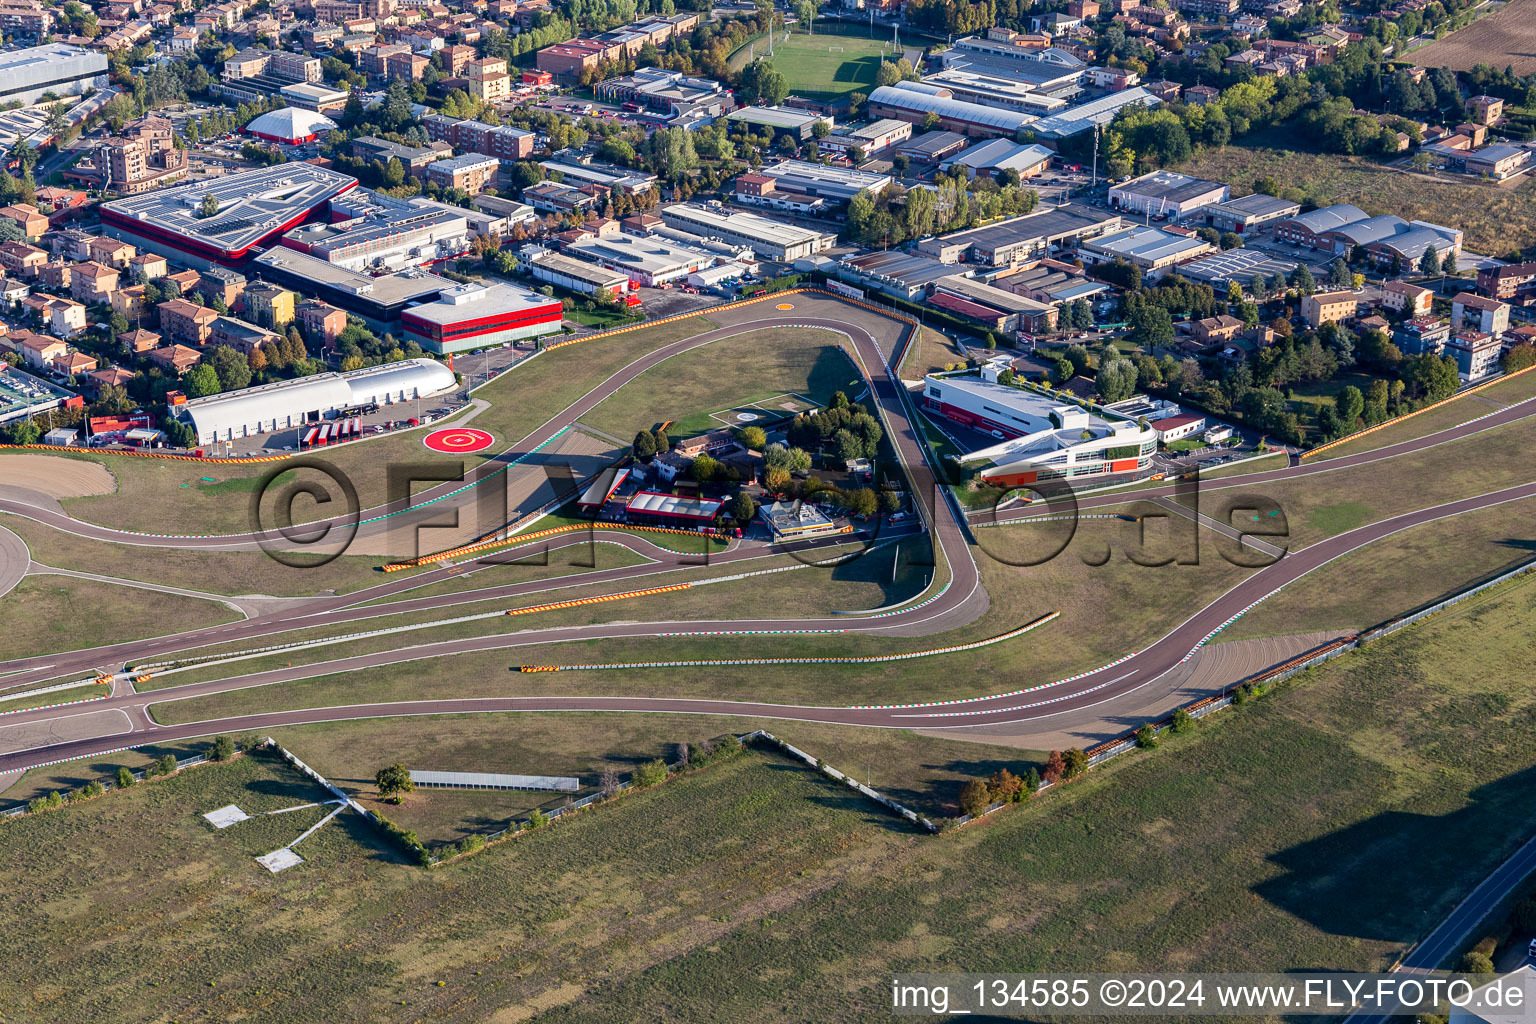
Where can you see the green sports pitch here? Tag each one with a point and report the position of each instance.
(824, 65)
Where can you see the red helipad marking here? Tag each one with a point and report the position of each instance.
(458, 440)
(786, 305)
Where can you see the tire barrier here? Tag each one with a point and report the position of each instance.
(144, 455)
(869, 659)
(604, 599)
(487, 545)
(1434, 405)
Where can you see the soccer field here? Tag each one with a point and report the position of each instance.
(824, 65)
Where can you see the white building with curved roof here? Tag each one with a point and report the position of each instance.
(290, 126)
(286, 404)
(914, 101)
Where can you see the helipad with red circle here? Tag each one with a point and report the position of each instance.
(458, 440)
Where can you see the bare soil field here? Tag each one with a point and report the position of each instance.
(55, 476)
(1505, 38)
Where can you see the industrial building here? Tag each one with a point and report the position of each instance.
(797, 125)
(893, 272)
(1219, 269)
(1241, 215)
(658, 508)
(998, 156)
(379, 232)
(679, 96)
(580, 172)
(873, 138)
(651, 261)
(1019, 312)
(1042, 438)
(1004, 88)
(769, 239)
(1074, 121)
(57, 68)
(479, 315)
(1152, 249)
(837, 185)
(1013, 241)
(253, 209)
(291, 403)
(1167, 194)
(379, 301)
(914, 101)
(577, 275)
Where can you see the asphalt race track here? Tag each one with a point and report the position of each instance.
(962, 601)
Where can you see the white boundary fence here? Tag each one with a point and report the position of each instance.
(851, 783)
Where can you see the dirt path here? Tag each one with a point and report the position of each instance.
(56, 476)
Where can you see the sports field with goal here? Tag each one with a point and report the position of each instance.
(822, 65)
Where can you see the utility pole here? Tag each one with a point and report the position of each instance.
(1096, 156)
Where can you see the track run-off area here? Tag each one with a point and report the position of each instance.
(956, 596)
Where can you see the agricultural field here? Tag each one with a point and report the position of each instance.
(1495, 218)
(1505, 38)
(1358, 803)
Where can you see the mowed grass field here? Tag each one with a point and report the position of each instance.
(46, 614)
(822, 65)
(1326, 826)
(751, 368)
(1505, 38)
(1495, 219)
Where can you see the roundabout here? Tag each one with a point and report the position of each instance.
(458, 440)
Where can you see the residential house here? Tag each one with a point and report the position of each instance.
(1329, 307)
(178, 359)
(112, 252)
(112, 377)
(1217, 329)
(20, 259)
(74, 364)
(138, 342)
(93, 283)
(269, 305)
(181, 320)
(27, 218)
(130, 302)
(321, 321)
(1479, 313)
(1406, 300)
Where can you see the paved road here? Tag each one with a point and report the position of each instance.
(1449, 936)
(1087, 691)
(963, 601)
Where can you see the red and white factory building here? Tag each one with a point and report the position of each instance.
(474, 316)
(1041, 437)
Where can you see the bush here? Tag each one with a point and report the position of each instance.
(250, 743)
(1074, 762)
(1475, 963)
(538, 819)
(405, 838)
(1183, 721)
(974, 797)
(1005, 787)
(92, 789)
(124, 778)
(223, 748)
(1146, 736)
(165, 765)
(650, 773)
(1032, 782)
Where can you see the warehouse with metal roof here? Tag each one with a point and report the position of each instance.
(290, 403)
(290, 126)
(913, 102)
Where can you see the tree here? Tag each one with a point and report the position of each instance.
(974, 797)
(1146, 736)
(743, 508)
(1303, 281)
(1231, 240)
(1475, 963)
(1074, 764)
(201, 381)
(1055, 768)
(124, 777)
(849, 447)
(1151, 327)
(394, 782)
(1448, 265)
(165, 764)
(754, 438)
(1429, 263)
(223, 748)
(862, 503)
(609, 782)
(233, 369)
(1117, 380)
(650, 773)
(1349, 403)
(1183, 721)
(209, 207)
(644, 446)
(1518, 358)
(1005, 787)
